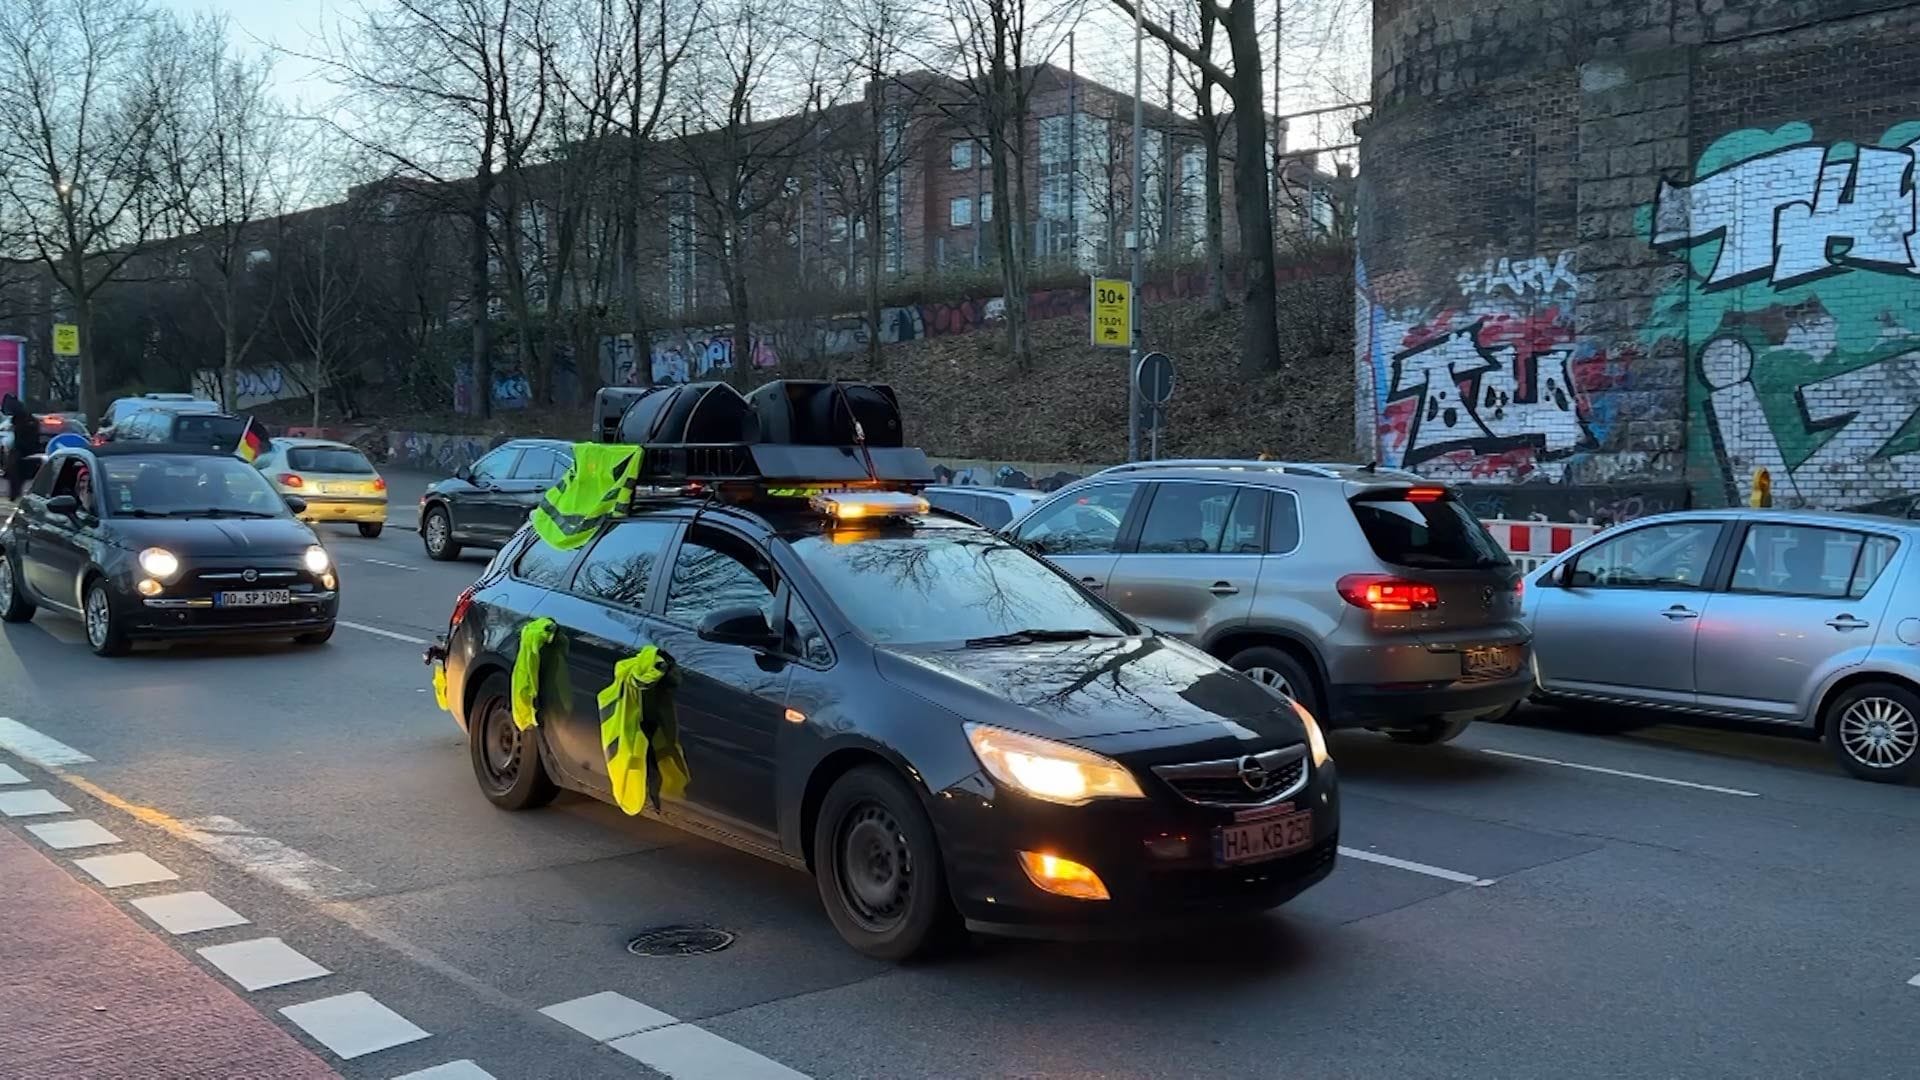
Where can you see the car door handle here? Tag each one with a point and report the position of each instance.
(1092, 583)
(1677, 612)
(1224, 588)
(1848, 622)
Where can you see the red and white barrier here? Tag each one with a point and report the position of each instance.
(1531, 543)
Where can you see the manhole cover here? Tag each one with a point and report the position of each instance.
(679, 941)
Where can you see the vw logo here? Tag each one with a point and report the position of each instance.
(249, 575)
(1486, 598)
(1254, 775)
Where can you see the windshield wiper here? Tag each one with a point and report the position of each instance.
(216, 511)
(1028, 637)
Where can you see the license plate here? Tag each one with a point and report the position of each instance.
(253, 598)
(1269, 839)
(1490, 660)
(338, 489)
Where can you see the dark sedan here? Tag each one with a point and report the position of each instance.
(485, 503)
(944, 729)
(145, 541)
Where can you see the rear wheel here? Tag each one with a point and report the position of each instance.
(1430, 732)
(506, 760)
(14, 605)
(1276, 669)
(878, 868)
(104, 632)
(372, 529)
(436, 531)
(1874, 732)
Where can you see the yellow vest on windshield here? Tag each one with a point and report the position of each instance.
(592, 491)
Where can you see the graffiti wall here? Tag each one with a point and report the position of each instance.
(1025, 475)
(1800, 308)
(430, 451)
(252, 386)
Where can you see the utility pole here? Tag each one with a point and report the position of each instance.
(1133, 241)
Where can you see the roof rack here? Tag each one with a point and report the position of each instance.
(1326, 470)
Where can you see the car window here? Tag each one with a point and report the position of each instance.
(715, 570)
(329, 459)
(967, 506)
(1085, 523)
(944, 585)
(1874, 557)
(200, 429)
(543, 564)
(1797, 560)
(1283, 525)
(992, 511)
(1188, 519)
(1425, 528)
(1651, 557)
(538, 463)
(42, 483)
(183, 485)
(495, 465)
(620, 567)
(804, 636)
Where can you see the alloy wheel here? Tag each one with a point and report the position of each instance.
(876, 867)
(436, 532)
(99, 617)
(6, 581)
(1271, 679)
(1879, 733)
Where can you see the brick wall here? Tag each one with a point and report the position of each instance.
(1615, 256)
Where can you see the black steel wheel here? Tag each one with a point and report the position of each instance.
(372, 529)
(506, 760)
(878, 867)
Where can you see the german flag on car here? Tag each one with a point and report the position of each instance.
(253, 442)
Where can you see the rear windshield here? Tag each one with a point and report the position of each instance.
(329, 459)
(219, 432)
(1431, 533)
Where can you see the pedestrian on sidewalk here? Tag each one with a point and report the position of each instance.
(26, 444)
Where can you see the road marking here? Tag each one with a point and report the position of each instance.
(365, 629)
(262, 963)
(9, 775)
(1624, 773)
(686, 1052)
(36, 747)
(1915, 981)
(607, 1015)
(464, 1069)
(353, 1025)
(395, 565)
(31, 802)
(1418, 868)
(66, 835)
(119, 871)
(189, 912)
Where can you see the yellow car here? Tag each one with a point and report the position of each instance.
(336, 481)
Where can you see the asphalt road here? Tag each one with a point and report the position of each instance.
(1530, 901)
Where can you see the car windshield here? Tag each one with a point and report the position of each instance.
(948, 585)
(179, 485)
(329, 459)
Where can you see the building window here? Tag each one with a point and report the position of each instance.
(962, 154)
(986, 206)
(960, 212)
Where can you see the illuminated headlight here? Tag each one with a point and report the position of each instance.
(317, 560)
(1315, 740)
(159, 562)
(1050, 771)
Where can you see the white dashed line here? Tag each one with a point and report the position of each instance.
(1628, 775)
(1417, 868)
(37, 748)
(394, 565)
(464, 1069)
(262, 963)
(607, 1015)
(685, 1052)
(365, 629)
(119, 871)
(31, 802)
(189, 912)
(65, 835)
(1915, 981)
(263, 856)
(9, 776)
(353, 1025)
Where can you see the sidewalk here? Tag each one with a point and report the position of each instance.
(87, 992)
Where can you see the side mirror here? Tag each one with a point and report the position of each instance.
(64, 505)
(296, 504)
(1573, 578)
(741, 625)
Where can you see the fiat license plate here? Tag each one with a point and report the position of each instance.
(253, 598)
(1267, 839)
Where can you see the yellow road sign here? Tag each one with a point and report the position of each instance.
(1112, 313)
(66, 339)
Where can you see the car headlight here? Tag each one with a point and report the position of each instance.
(159, 562)
(317, 560)
(1315, 741)
(1050, 771)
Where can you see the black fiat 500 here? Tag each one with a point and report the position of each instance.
(939, 725)
(151, 541)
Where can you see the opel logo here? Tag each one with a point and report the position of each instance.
(1254, 775)
(249, 575)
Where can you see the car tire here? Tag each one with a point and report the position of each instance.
(1430, 732)
(897, 907)
(14, 605)
(1873, 730)
(318, 637)
(105, 635)
(1277, 669)
(372, 529)
(506, 760)
(436, 532)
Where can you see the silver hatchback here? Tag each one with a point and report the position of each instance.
(1373, 597)
(1806, 620)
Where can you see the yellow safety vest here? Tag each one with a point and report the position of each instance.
(593, 490)
(625, 740)
(526, 671)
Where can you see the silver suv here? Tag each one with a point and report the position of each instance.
(1373, 597)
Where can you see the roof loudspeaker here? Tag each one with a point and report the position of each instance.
(693, 413)
(812, 412)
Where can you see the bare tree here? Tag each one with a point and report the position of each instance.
(1213, 131)
(322, 273)
(80, 87)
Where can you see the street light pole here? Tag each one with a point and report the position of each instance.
(1133, 242)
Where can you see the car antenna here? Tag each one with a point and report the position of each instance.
(859, 432)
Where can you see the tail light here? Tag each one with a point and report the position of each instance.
(292, 480)
(1378, 592)
(379, 483)
(1426, 494)
(460, 606)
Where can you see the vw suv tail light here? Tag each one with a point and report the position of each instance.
(1379, 592)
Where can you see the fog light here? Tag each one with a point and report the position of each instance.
(326, 580)
(148, 587)
(1062, 877)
